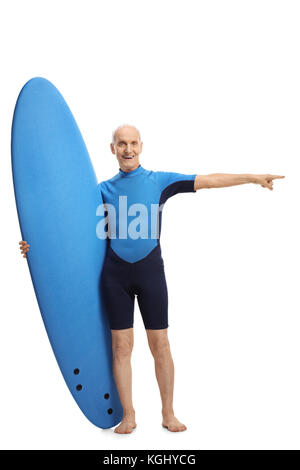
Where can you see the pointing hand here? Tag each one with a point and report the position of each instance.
(266, 181)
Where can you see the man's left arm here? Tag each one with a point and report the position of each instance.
(222, 180)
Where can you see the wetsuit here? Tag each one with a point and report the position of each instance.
(133, 203)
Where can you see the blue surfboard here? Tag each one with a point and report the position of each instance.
(56, 196)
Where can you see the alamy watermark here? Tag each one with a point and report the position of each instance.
(144, 225)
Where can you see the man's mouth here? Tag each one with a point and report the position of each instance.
(128, 157)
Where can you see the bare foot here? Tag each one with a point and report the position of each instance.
(172, 424)
(126, 426)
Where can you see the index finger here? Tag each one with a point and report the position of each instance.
(276, 176)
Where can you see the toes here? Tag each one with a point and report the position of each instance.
(175, 428)
(124, 430)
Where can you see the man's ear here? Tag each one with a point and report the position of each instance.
(112, 148)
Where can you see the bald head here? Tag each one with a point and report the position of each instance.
(125, 128)
(127, 146)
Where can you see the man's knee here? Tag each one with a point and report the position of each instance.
(159, 346)
(122, 344)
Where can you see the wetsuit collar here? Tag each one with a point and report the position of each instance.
(127, 174)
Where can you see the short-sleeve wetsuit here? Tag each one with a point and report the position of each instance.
(133, 265)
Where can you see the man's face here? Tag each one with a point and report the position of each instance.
(127, 148)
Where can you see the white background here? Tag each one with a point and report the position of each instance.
(213, 87)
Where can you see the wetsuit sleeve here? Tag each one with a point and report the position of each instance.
(102, 198)
(173, 183)
(99, 190)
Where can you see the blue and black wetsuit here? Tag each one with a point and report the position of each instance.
(133, 264)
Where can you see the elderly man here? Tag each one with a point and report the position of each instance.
(134, 267)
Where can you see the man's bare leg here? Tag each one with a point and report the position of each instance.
(164, 370)
(122, 344)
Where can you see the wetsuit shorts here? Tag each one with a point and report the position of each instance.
(122, 281)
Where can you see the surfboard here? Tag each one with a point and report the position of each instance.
(56, 197)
